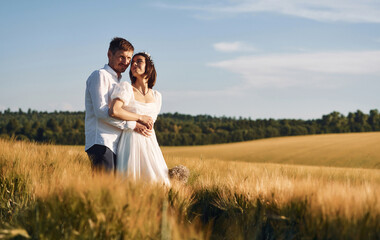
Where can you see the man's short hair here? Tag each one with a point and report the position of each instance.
(118, 43)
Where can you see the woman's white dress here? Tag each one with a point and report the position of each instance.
(138, 156)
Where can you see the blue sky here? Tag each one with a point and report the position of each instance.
(258, 59)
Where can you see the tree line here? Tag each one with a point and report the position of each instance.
(175, 129)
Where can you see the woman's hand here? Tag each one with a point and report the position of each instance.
(142, 129)
(146, 120)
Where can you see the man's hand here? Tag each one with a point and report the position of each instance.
(142, 129)
(146, 120)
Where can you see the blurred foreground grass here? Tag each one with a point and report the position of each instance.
(49, 192)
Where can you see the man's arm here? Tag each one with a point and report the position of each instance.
(97, 85)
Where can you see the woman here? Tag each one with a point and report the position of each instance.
(138, 156)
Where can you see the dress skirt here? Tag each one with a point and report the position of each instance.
(140, 157)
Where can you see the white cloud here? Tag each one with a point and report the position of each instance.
(232, 47)
(329, 69)
(62, 106)
(201, 93)
(67, 107)
(320, 10)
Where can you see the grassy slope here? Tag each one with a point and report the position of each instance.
(339, 150)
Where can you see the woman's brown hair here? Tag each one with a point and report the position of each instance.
(150, 70)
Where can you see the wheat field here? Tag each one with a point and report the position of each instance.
(355, 150)
(49, 192)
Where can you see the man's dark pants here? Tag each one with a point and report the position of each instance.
(102, 158)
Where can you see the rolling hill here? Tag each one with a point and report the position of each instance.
(356, 150)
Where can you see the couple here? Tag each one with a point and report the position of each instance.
(120, 116)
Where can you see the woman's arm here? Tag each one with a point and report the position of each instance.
(116, 111)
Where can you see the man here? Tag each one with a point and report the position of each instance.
(102, 131)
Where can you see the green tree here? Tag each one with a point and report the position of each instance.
(13, 126)
(334, 123)
(361, 122)
(374, 120)
(52, 124)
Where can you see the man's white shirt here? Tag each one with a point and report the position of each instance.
(100, 128)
